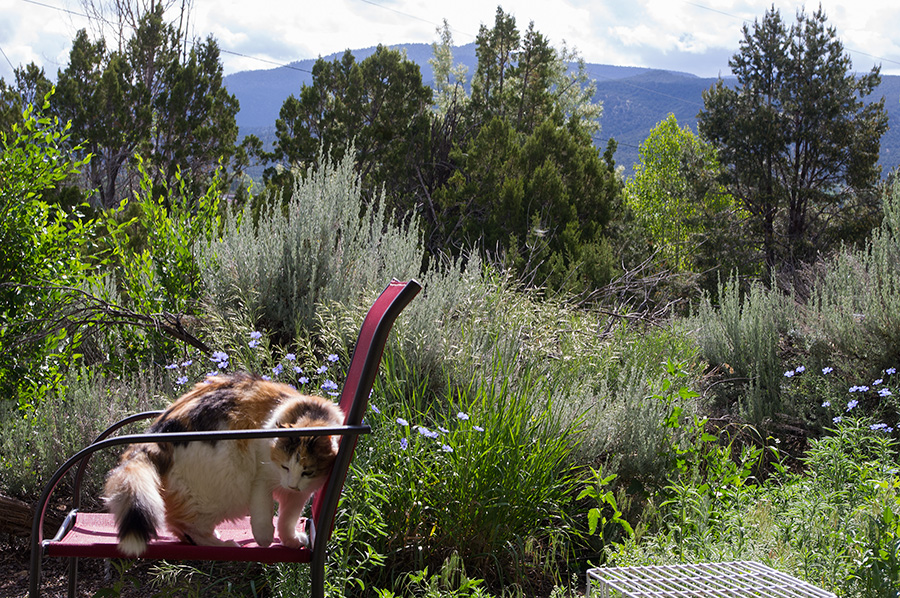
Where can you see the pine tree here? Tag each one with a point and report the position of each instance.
(797, 140)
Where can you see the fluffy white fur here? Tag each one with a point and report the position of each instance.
(193, 487)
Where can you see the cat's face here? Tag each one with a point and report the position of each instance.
(304, 463)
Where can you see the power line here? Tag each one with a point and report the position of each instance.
(59, 8)
(8, 61)
(224, 51)
(727, 14)
(406, 14)
(287, 66)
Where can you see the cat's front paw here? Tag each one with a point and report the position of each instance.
(298, 540)
(262, 533)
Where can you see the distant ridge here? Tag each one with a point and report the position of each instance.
(634, 99)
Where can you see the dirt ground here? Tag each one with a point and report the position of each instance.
(140, 580)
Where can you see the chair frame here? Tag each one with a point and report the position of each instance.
(358, 384)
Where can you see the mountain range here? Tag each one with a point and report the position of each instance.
(634, 99)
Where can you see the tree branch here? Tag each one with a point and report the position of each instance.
(80, 309)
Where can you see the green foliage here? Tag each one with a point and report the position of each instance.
(510, 172)
(606, 501)
(675, 193)
(541, 201)
(377, 108)
(450, 582)
(524, 81)
(797, 139)
(878, 571)
(154, 249)
(149, 98)
(448, 80)
(521, 179)
(833, 524)
(41, 244)
(325, 246)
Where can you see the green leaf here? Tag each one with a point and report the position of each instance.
(593, 519)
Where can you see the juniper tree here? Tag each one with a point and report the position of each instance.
(798, 142)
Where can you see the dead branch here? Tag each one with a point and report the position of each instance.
(78, 309)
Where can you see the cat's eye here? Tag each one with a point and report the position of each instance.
(306, 474)
(285, 467)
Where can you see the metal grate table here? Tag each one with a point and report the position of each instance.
(737, 579)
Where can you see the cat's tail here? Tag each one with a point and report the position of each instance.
(132, 494)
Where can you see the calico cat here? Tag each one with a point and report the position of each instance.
(192, 487)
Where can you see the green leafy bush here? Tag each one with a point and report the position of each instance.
(833, 524)
(42, 245)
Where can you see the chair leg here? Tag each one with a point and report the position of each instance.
(73, 577)
(34, 573)
(317, 576)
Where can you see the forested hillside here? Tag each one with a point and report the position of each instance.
(634, 99)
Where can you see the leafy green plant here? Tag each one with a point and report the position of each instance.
(43, 244)
(833, 524)
(878, 568)
(597, 489)
(450, 582)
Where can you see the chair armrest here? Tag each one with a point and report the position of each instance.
(79, 475)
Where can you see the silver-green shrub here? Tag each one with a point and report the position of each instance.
(82, 406)
(740, 336)
(855, 306)
(324, 246)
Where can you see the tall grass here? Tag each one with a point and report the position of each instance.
(490, 480)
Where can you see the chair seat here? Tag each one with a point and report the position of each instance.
(94, 535)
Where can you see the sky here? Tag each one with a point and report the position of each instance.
(691, 36)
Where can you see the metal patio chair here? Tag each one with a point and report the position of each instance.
(93, 535)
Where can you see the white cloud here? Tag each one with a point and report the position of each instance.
(697, 34)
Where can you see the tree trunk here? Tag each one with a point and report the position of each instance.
(16, 517)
